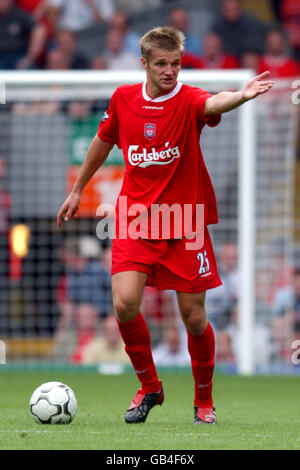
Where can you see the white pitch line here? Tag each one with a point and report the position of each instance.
(45, 431)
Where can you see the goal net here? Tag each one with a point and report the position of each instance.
(55, 299)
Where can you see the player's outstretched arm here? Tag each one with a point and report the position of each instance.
(227, 100)
(96, 155)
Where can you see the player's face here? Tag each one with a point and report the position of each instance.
(162, 70)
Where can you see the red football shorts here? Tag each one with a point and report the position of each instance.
(168, 263)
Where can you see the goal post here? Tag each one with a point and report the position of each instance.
(240, 135)
(246, 235)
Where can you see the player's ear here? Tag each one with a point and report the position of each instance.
(144, 63)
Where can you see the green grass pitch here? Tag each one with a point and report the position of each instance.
(260, 412)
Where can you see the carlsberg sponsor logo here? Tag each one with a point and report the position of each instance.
(142, 158)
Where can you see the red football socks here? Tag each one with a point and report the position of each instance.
(202, 352)
(136, 337)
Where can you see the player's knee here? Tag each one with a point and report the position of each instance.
(125, 308)
(197, 324)
(195, 319)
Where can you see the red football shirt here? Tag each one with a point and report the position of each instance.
(160, 142)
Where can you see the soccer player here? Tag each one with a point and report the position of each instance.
(157, 124)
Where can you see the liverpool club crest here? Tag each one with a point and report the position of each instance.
(150, 131)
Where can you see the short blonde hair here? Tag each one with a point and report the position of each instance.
(162, 37)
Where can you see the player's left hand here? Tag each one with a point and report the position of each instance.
(257, 86)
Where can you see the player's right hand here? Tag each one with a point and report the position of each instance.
(69, 208)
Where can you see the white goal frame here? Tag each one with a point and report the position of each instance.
(213, 79)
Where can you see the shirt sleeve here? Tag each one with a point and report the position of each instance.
(108, 128)
(200, 98)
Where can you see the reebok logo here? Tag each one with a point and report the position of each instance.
(153, 107)
(203, 385)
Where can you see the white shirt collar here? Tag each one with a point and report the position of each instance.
(163, 97)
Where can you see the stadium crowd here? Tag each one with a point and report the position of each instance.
(47, 34)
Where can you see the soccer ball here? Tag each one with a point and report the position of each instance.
(53, 403)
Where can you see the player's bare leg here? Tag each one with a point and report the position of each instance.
(127, 288)
(201, 346)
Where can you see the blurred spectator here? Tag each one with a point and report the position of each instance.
(286, 316)
(282, 338)
(78, 15)
(294, 348)
(173, 350)
(62, 58)
(213, 56)
(276, 59)
(120, 22)
(261, 340)
(106, 256)
(228, 268)
(276, 8)
(79, 109)
(239, 30)
(221, 301)
(263, 290)
(108, 347)
(224, 351)
(88, 281)
(179, 19)
(158, 307)
(56, 60)
(4, 199)
(35, 107)
(289, 16)
(281, 268)
(287, 299)
(116, 56)
(66, 254)
(98, 63)
(219, 306)
(84, 294)
(38, 9)
(65, 42)
(22, 40)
